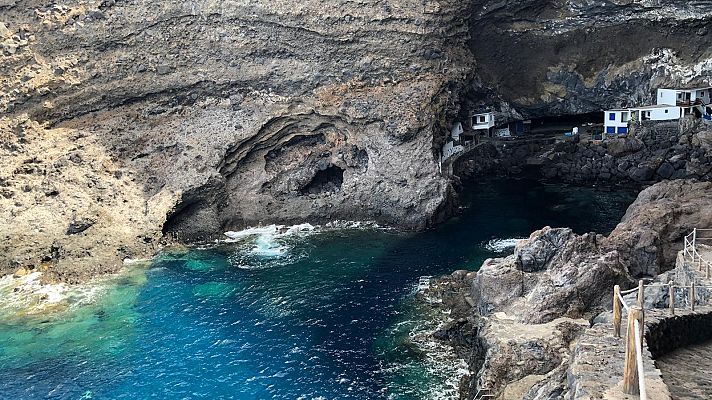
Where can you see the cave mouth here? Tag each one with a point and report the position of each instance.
(555, 125)
(327, 180)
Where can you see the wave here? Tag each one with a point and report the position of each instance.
(502, 245)
(268, 241)
(271, 245)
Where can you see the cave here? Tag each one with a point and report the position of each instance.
(328, 180)
(556, 125)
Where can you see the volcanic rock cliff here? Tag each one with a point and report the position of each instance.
(123, 121)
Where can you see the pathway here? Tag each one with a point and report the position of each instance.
(688, 371)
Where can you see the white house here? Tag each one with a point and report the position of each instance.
(482, 122)
(615, 122)
(662, 112)
(685, 98)
(456, 131)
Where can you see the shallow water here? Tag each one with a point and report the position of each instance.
(328, 313)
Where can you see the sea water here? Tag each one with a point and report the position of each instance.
(282, 313)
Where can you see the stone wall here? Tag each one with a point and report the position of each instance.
(673, 332)
(654, 151)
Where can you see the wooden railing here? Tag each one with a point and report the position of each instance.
(633, 373)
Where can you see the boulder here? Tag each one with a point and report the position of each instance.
(642, 173)
(622, 146)
(665, 170)
(534, 253)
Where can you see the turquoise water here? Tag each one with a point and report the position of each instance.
(321, 314)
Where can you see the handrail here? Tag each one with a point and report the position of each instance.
(623, 302)
(634, 374)
(639, 361)
(690, 249)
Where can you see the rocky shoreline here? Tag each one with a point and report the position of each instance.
(654, 151)
(516, 319)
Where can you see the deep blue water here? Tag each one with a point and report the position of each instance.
(325, 314)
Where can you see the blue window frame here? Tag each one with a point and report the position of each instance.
(612, 116)
(622, 129)
(611, 129)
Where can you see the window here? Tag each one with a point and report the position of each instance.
(624, 116)
(611, 129)
(622, 129)
(666, 111)
(482, 119)
(612, 116)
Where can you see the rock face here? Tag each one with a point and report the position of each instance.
(571, 57)
(193, 118)
(557, 273)
(189, 118)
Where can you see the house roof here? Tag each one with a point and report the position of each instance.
(689, 88)
(653, 107)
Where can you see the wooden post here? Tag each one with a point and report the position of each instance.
(672, 298)
(641, 294)
(630, 371)
(694, 237)
(692, 296)
(616, 311)
(707, 274)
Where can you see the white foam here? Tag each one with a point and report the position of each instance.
(267, 243)
(502, 245)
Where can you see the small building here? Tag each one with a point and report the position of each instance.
(483, 123)
(685, 98)
(513, 128)
(456, 131)
(661, 112)
(615, 122)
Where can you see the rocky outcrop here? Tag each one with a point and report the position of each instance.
(652, 229)
(552, 274)
(557, 273)
(528, 308)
